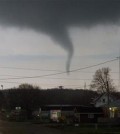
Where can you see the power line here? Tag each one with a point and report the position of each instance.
(13, 75)
(68, 78)
(32, 69)
(94, 72)
(10, 82)
(94, 65)
(64, 72)
(76, 79)
(42, 84)
(53, 78)
(50, 77)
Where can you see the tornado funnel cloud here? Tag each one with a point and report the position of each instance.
(63, 39)
(55, 17)
(70, 54)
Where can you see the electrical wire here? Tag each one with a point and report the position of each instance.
(64, 72)
(51, 77)
(10, 82)
(32, 69)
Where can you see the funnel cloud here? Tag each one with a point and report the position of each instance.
(55, 17)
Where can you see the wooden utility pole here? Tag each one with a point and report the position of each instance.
(108, 98)
(118, 71)
(2, 87)
(85, 85)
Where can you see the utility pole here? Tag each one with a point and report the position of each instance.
(85, 85)
(2, 87)
(119, 70)
(108, 99)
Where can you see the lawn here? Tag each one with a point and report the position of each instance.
(30, 128)
(89, 129)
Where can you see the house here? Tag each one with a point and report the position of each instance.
(114, 109)
(102, 100)
(111, 109)
(89, 114)
(70, 113)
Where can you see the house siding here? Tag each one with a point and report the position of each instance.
(81, 114)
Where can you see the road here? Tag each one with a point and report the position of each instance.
(27, 128)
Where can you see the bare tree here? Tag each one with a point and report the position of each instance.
(28, 86)
(102, 81)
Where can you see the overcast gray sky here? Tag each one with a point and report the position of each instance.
(53, 36)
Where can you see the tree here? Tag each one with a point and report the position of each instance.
(27, 86)
(102, 81)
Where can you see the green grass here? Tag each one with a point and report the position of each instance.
(86, 129)
(29, 128)
(91, 130)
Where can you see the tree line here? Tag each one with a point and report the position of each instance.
(30, 98)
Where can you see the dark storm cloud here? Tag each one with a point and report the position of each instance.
(54, 17)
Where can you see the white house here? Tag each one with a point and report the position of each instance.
(102, 100)
(114, 104)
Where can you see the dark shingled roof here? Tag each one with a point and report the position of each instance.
(76, 108)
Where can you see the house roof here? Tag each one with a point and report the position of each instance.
(101, 95)
(98, 97)
(76, 108)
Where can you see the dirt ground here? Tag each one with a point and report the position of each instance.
(27, 128)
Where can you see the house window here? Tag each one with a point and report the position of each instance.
(103, 100)
(119, 115)
(91, 116)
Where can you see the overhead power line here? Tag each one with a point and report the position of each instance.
(32, 69)
(53, 78)
(10, 82)
(12, 75)
(64, 72)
